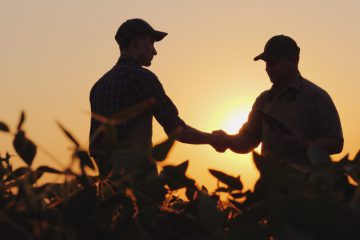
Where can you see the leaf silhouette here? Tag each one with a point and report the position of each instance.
(153, 190)
(24, 147)
(69, 135)
(21, 121)
(79, 206)
(133, 111)
(222, 189)
(191, 193)
(4, 127)
(160, 151)
(259, 161)
(84, 158)
(47, 169)
(174, 176)
(232, 182)
(125, 115)
(238, 195)
(183, 166)
(18, 173)
(34, 176)
(357, 158)
(210, 217)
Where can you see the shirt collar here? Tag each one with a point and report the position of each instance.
(293, 87)
(294, 84)
(127, 60)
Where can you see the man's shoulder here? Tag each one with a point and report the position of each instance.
(262, 96)
(312, 90)
(261, 99)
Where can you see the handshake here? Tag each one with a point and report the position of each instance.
(221, 141)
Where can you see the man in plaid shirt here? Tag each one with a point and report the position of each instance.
(128, 85)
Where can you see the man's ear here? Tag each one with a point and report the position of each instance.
(294, 59)
(137, 42)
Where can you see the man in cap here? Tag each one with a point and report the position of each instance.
(127, 87)
(292, 115)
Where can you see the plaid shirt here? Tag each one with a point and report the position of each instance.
(125, 85)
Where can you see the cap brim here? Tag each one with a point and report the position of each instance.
(159, 35)
(260, 56)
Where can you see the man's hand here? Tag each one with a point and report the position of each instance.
(222, 141)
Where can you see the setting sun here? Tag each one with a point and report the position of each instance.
(233, 118)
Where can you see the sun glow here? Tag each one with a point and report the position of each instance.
(234, 118)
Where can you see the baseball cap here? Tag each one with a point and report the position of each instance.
(136, 27)
(277, 47)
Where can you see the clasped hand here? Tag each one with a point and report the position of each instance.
(222, 141)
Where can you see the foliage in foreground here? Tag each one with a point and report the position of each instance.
(289, 201)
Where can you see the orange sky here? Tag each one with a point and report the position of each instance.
(53, 52)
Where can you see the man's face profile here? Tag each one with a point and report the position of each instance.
(145, 49)
(279, 69)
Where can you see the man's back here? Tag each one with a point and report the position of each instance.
(113, 93)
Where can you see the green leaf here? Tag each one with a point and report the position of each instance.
(160, 151)
(24, 147)
(69, 135)
(318, 156)
(21, 121)
(232, 182)
(4, 127)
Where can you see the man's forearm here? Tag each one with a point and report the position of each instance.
(193, 136)
(240, 144)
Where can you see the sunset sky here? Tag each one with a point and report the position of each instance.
(52, 52)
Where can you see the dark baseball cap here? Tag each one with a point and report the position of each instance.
(136, 27)
(277, 47)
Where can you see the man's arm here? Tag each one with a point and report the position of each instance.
(250, 134)
(167, 115)
(327, 125)
(238, 143)
(187, 134)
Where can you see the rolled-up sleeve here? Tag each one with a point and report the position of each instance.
(251, 131)
(326, 117)
(164, 110)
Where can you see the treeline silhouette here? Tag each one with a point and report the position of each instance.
(289, 201)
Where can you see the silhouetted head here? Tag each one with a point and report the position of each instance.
(281, 54)
(136, 39)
